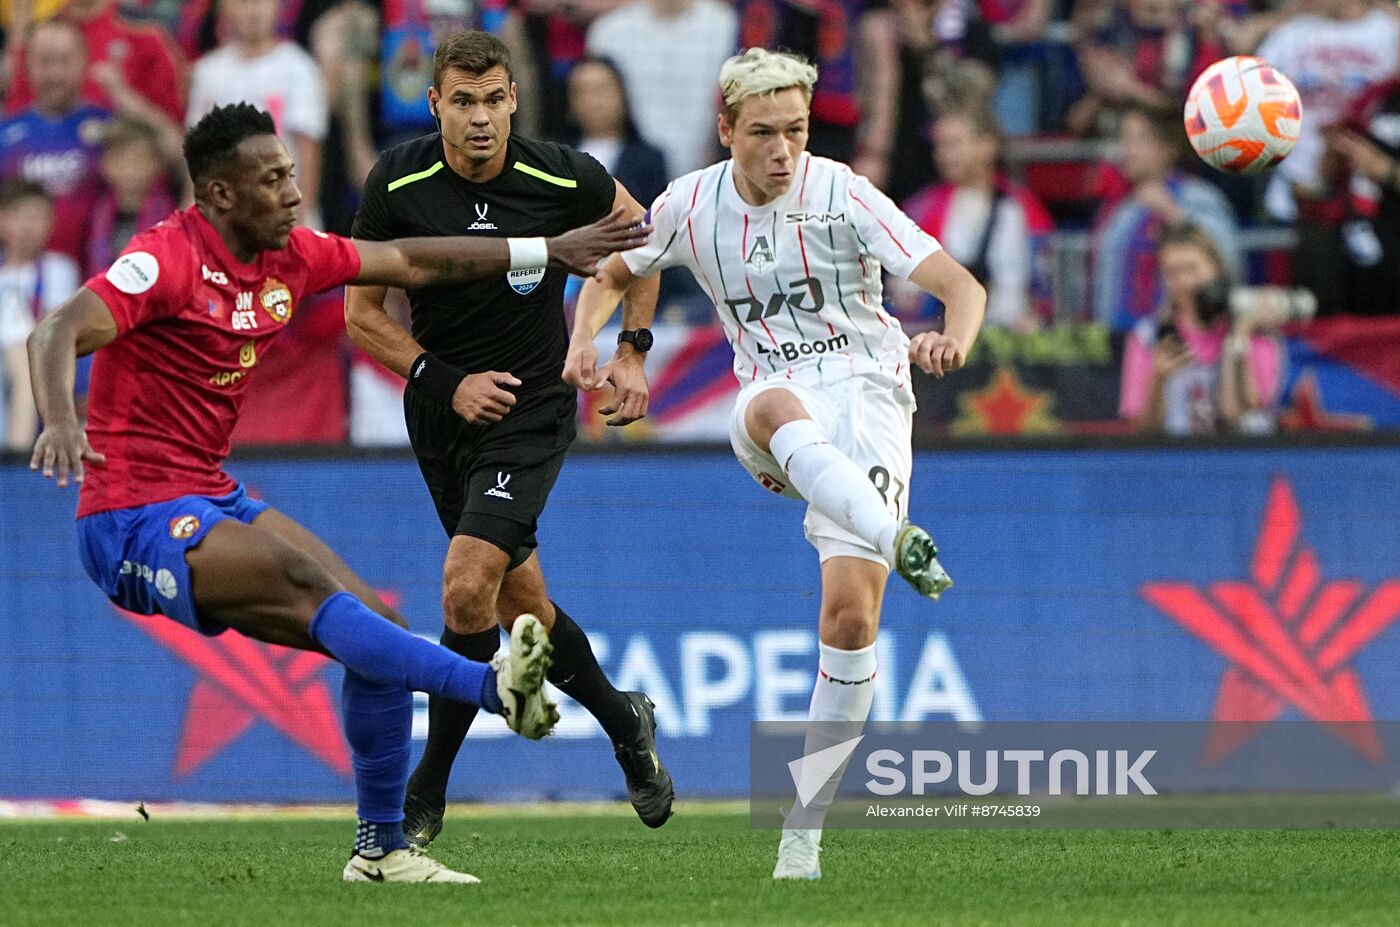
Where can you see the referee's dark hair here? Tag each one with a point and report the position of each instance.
(472, 51)
(212, 145)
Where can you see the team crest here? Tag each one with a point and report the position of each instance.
(184, 527)
(760, 256)
(276, 300)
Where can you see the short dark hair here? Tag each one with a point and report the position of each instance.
(17, 190)
(212, 145)
(471, 51)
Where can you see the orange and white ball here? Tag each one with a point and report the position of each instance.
(1243, 115)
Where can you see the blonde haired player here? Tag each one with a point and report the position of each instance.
(791, 247)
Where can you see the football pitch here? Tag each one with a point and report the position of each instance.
(600, 866)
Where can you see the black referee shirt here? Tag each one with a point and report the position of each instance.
(513, 322)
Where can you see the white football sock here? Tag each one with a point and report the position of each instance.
(833, 484)
(840, 706)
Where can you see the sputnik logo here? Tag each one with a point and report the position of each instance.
(243, 681)
(1289, 636)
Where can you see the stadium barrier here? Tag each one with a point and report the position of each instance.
(1153, 584)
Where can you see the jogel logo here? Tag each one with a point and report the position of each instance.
(248, 355)
(276, 300)
(183, 527)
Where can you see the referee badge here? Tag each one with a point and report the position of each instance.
(276, 300)
(524, 281)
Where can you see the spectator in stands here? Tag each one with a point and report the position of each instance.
(54, 141)
(1192, 369)
(1140, 52)
(34, 281)
(1127, 286)
(1019, 28)
(855, 46)
(133, 68)
(993, 227)
(256, 66)
(135, 196)
(599, 110)
(1369, 150)
(669, 52)
(556, 33)
(945, 62)
(1332, 53)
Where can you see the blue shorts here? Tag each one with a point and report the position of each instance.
(137, 555)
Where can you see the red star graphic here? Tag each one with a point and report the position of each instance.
(1005, 407)
(243, 681)
(1288, 635)
(1307, 412)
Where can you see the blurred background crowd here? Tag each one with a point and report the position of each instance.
(1131, 289)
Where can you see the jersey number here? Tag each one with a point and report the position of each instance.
(882, 480)
(807, 286)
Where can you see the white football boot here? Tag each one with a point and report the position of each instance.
(520, 672)
(409, 865)
(797, 855)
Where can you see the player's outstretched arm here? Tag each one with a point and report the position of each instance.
(413, 263)
(78, 327)
(965, 301)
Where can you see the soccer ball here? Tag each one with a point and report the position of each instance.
(1242, 116)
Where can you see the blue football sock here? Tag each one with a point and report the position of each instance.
(384, 653)
(378, 722)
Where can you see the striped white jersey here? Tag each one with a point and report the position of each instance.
(796, 282)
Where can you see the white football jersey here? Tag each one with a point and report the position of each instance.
(796, 282)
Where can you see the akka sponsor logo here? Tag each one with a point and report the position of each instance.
(216, 277)
(499, 490)
(481, 224)
(183, 527)
(275, 298)
(1288, 634)
(247, 359)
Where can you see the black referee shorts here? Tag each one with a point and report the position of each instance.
(492, 481)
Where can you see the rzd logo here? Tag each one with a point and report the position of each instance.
(807, 286)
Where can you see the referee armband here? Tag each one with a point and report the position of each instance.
(434, 378)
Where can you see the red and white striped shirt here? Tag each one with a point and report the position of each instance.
(797, 281)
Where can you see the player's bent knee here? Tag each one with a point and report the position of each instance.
(771, 410)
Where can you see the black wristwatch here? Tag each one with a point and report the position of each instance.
(640, 339)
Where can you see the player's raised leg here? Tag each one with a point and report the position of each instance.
(627, 718)
(259, 582)
(778, 423)
(852, 591)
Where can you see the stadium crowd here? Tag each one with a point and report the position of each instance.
(1040, 140)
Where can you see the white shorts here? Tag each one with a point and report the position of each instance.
(867, 418)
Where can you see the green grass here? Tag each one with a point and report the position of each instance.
(704, 867)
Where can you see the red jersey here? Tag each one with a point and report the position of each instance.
(192, 324)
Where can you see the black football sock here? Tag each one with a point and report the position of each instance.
(577, 674)
(449, 720)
